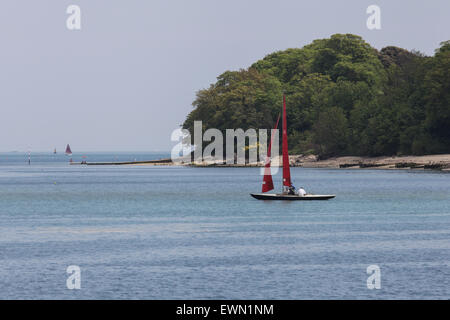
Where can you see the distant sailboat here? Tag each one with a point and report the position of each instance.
(68, 151)
(287, 184)
(54, 151)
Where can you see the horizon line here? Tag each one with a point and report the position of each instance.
(82, 151)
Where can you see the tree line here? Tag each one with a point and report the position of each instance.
(343, 96)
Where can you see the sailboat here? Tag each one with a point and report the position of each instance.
(267, 180)
(68, 151)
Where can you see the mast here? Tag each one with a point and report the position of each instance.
(267, 180)
(286, 169)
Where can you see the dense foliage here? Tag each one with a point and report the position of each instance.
(343, 97)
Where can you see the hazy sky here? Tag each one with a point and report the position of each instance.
(127, 79)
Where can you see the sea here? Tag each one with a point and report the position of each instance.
(169, 232)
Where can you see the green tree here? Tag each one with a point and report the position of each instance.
(239, 99)
(331, 132)
(343, 97)
(437, 85)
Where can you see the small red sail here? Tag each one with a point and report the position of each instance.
(267, 180)
(286, 169)
(68, 151)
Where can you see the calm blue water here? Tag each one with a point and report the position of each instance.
(19, 158)
(140, 232)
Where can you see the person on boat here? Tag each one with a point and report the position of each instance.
(301, 192)
(291, 190)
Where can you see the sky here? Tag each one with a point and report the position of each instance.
(127, 79)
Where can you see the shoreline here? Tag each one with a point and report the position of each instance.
(432, 162)
(429, 162)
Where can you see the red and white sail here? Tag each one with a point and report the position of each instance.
(267, 180)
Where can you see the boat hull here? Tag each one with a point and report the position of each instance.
(273, 196)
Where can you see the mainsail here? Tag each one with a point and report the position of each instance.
(286, 169)
(267, 180)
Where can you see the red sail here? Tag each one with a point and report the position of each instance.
(68, 151)
(267, 180)
(286, 169)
